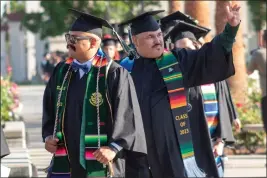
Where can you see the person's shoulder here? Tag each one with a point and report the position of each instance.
(60, 64)
(262, 51)
(259, 51)
(259, 54)
(117, 71)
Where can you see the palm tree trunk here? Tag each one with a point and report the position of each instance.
(199, 10)
(238, 82)
(175, 6)
(259, 36)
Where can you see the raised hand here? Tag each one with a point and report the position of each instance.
(233, 15)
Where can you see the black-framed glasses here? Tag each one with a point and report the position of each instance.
(74, 39)
(197, 44)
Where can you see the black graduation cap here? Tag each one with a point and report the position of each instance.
(88, 23)
(180, 29)
(143, 23)
(109, 42)
(177, 16)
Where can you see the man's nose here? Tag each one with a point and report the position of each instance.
(157, 40)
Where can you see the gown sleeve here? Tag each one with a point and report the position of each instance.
(224, 130)
(128, 131)
(48, 117)
(230, 104)
(213, 62)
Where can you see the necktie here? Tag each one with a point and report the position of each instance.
(85, 68)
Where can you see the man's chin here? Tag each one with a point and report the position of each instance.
(71, 54)
(158, 51)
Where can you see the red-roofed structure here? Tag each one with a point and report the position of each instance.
(15, 17)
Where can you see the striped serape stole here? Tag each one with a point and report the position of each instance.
(90, 141)
(210, 106)
(60, 163)
(61, 166)
(212, 116)
(172, 76)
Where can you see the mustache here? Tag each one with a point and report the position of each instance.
(155, 45)
(71, 46)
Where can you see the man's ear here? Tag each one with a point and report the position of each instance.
(94, 43)
(135, 41)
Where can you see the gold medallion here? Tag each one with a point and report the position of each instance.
(93, 99)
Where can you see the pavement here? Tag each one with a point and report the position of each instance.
(32, 96)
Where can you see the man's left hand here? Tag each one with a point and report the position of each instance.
(218, 149)
(233, 15)
(237, 124)
(104, 154)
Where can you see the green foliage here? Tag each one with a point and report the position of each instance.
(55, 20)
(17, 6)
(250, 113)
(6, 100)
(258, 10)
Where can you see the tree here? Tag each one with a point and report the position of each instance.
(56, 19)
(258, 14)
(17, 6)
(238, 82)
(199, 10)
(174, 6)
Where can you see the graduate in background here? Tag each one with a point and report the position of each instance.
(210, 102)
(109, 48)
(161, 81)
(258, 62)
(91, 116)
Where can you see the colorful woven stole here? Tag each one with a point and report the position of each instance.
(210, 106)
(211, 110)
(89, 134)
(172, 76)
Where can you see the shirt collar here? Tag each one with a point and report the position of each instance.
(85, 63)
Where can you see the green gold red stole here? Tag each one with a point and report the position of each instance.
(172, 76)
(89, 138)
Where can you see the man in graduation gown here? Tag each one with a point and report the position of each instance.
(160, 80)
(91, 116)
(209, 103)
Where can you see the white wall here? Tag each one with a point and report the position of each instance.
(17, 55)
(57, 43)
(3, 54)
(30, 55)
(33, 6)
(35, 46)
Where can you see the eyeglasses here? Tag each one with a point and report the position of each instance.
(197, 44)
(74, 39)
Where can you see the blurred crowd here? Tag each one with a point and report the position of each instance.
(49, 62)
(110, 45)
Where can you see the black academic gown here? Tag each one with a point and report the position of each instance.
(209, 64)
(227, 112)
(126, 130)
